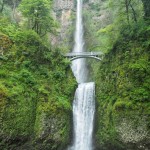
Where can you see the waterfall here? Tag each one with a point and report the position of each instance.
(79, 66)
(83, 116)
(84, 100)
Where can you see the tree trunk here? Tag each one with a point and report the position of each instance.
(134, 13)
(127, 10)
(14, 9)
(2, 7)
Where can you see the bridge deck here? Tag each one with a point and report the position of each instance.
(83, 54)
(77, 55)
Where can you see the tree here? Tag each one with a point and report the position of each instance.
(146, 4)
(2, 5)
(12, 4)
(38, 14)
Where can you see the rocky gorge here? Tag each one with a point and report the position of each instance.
(35, 98)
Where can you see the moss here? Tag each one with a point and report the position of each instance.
(36, 93)
(123, 93)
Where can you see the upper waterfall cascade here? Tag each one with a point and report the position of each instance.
(84, 100)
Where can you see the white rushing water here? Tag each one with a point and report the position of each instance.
(83, 116)
(79, 65)
(84, 100)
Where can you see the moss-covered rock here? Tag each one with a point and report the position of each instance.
(123, 95)
(36, 93)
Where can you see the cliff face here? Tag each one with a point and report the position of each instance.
(123, 106)
(34, 88)
(35, 98)
(35, 105)
(63, 11)
(63, 4)
(94, 17)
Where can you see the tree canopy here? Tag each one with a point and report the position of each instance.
(38, 13)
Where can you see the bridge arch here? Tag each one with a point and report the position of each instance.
(78, 55)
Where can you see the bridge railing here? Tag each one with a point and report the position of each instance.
(83, 54)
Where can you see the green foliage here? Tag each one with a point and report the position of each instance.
(94, 6)
(36, 85)
(108, 19)
(123, 84)
(38, 14)
(146, 5)
(122, 105)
